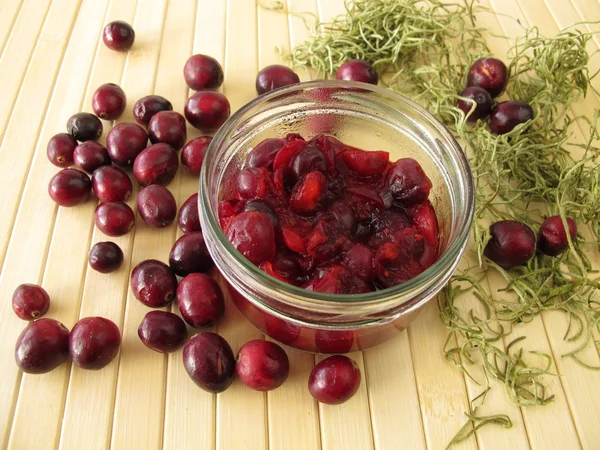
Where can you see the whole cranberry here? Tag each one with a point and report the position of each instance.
(273, 77)
(202, 72)
(156, 164)
(357, 70)
(90, 155)
(209, 361)
(111, 184)
(84, 127)
(192, 155)
(124, 142)
(162, 331)
(483, 103)
(490, 74)
(334, 380)
(70, 187)
(94, 342)
(512, 243)
(190, 255)
(252, 234)
(153, 283)
(264, 153)
(118, 35)
(189, 218)
(147, 106)
(114, 218)
(407, 182)
(105, 257)
(506, 116)
(60, 149)
(200, 300)
(108, 102)
(42, 346)
(552, 239)
(262, 365)
(157, 206)
(168, 127)
(207, 110)
(30, 301)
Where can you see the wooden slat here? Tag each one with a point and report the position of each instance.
(9, 10)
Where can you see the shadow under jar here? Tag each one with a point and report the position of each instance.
(363, 116)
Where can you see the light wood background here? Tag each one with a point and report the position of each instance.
(52, 60)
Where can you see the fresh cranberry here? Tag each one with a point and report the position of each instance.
(207, 110)
(105, 257)
(507, 115)
(114, 218)
(147, 106)
(274, 77)
(407, 182)
(262, 365)
(334, 380)
(190, 255)
(60, 149)
(202, 72)
(84, 127)
(42, 346)
(162, 331)
(264, 153)
(366, 164)
(30, 301)
(209, 361)
(334, 341)
(552, 239)
(483, 103)
(200, 300)
(357, 70)
(511, 244)
(252, 234)
(490, 74)
(157, 206)
(168, 127)
(153, 283)
(118, 35)
(70, 187)
(188, 218)
(124, 142)
(192, 155)
(109, 101)
(111, 184)
(156, 164)
(90, 155)
(94, 342)
(307, 195)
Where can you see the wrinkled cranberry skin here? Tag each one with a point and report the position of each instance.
(407, 182)
(252, 183)
(209, 361)
(334, 341)
(273, 77)
(483, 103)
(188, 218)
(202, 72)
(156, 164)
(200, 300)
(262, 365)
(42, 346)
(147, 106)
(168, 127)
(359, 261)
(111, 184)
(512, 243)
(105, 257)
(207, 110)
(190, 255)
(157, 206)
(153, 283)
(114, 218)
(108, 102)
(124, 142)
(507, 115)
(84, 127)
(60, 149)
(162, 331)
(94, 342)
(357, 70)
(252, 234)
(90, 155)
(490, 74)
(70, 187)
(118, 35)
(264, 153)
(552, 238)
(30, 301)
(334, 380)
(192, 155)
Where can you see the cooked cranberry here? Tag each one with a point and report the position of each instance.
(490, 74)
(105, 257)
(394, 264)
(189, 255)
(552, 236)
(507, 115)
(425, 221)
(264, 153)
(344, 216)
(252, 234)
(156, 164)
(70, 187)
(90, 155)
(168, 127)
(285, 263)
(84, 127)
(157, 206)
(359, 261)
(262, 365)
(200, 300)
(253, 182)
(209, 361)
(192, 155)
(274, 77)
(202, 72)
(118, 35)
(307, 194)
(287, 153)
(307, 160)
(334, 341)
(153, 283)
(94, 342)
(188, 218)
(511, 244)
(60, 149)
(114, 218)
(30, 301)
(147, 106)
(228, 210)
(162, 331)
(281, 330)
(109, 101)
(42, 346)
(364, 163)
(111, 184)
(207, 110)
(483, 103)
(357, 70)
(124, 142)
(407, 182)
(334, 380)
(262, 206)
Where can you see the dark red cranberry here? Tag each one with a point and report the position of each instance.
(84, 127)
(357, 70)
(190, 255)
(262, 206)
(344, 216)
(483, 103)
(511, 244)
(207, 110)
(42, 346)
(202, 72)
(168, 127)
(189, 218)
(30, 301)
(264, 153)
(157, 206)
(274, 77)
(118, 35)
(334, 341)
(252, 234)
(60, 149)
(209, 361)
(262, 365)
(507, 115)
(490, 74)
(334, 380)
(70, 187)
(307, 160)
(105, 257)
(192, 155)
(307, 195)
(94, 342)
(253, 182)
(552, 239)
(359, 260)
(114, 218)
(147, 106)
(109, 101)
(162, 331)
(90, 155)
(395, 263)
(153, 283)
(366, 164)
(124, 142)
(111, 184)
(200, 300)
(407, 182)
(156, 164)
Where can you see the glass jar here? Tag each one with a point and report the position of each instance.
(360, 115)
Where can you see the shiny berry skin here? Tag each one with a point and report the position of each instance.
(483, 103)
(70, 187)
(490, 74)
(84, 127)
(105, 257)
(202, 72)
(147, 106)
(190, 255)
(264, 153)
(512, 243)
(156, 164)
(552, 238)
(124, 142)
(162, 331)
(168, 127)
(334, 341)
(90, 155)
(153, 283)
(94, 342)
(114, 218)
(334, 380)
(108, 102)
(262, 365)
(60, 149)
(252, 234)
(111, 184)
(366, 164)
(42, 346)
(118, 35)
(200, 300)
(207, 110)
(357, 70)
(209, 361)
(157, 206)
(274, 77)
(30, 301)
(506, 116)
(188, 218)
(192, 155)
(407, 182)
(264, 207)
